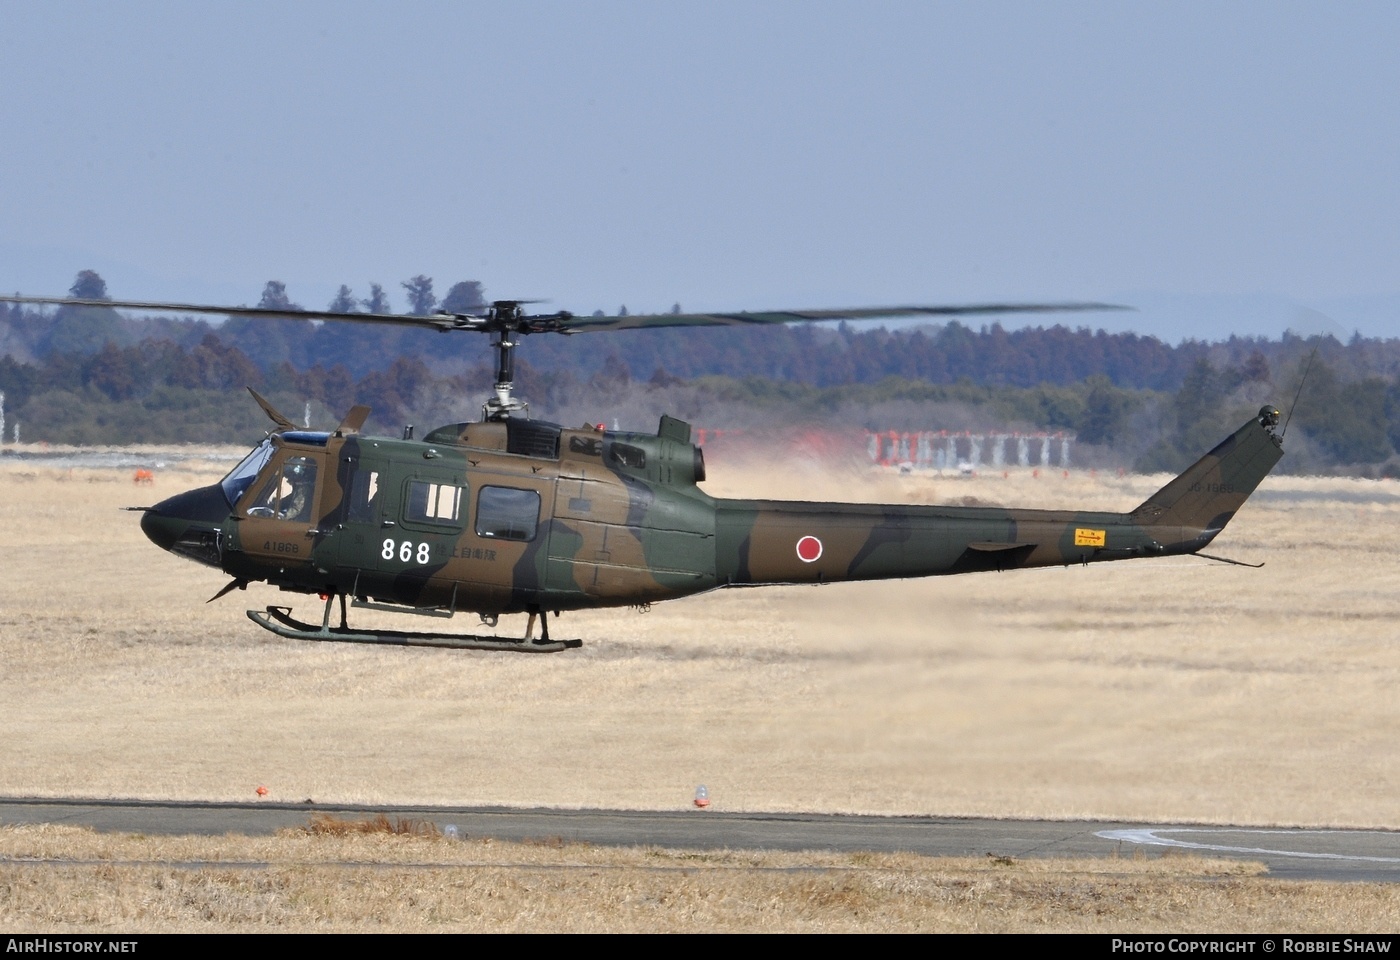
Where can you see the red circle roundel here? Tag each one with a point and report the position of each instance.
(809, 549)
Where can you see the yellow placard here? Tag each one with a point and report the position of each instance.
(1089, 538)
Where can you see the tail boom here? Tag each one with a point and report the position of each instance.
(772, 541)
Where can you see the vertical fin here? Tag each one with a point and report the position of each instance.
(1203, 499)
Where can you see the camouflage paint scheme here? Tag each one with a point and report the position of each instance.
(525, 516)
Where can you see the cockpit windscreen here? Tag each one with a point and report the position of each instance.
(240, 476)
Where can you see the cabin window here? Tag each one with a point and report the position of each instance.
(364, 497)
(506, 513)
(289, 495)
(433, 502)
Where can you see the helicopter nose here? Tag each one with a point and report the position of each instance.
(161, 530)
(188, 524)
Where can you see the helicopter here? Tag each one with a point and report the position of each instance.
(509, 514)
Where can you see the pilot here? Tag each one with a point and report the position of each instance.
(296, 505)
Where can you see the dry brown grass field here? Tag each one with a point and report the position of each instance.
(1145, 690)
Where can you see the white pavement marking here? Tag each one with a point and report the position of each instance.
(1152, 838)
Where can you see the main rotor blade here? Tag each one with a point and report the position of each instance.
(441, 321)
(566, 323)
(504, 315)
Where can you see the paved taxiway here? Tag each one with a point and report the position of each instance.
(1355, 855)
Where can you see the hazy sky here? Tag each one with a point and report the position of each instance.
(727, 156)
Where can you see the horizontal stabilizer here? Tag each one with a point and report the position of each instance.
(993, 556)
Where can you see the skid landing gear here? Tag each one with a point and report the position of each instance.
(280, 621)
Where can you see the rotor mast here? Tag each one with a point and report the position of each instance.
(503, 319)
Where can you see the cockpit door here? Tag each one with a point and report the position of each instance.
(276, 517)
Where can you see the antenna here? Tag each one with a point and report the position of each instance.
(1311, 357)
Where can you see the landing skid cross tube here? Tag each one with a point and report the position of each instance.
(279, 620)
